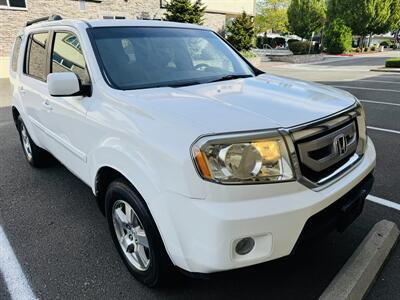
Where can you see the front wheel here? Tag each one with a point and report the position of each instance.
(135, 234)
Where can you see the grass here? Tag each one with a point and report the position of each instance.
(248, 54)
(392, 63)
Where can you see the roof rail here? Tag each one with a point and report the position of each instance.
(50, 18)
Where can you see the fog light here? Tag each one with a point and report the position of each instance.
(244, 246)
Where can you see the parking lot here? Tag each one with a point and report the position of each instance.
(62, 243)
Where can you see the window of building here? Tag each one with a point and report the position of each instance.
(82, 5)
(12, 3)
(114, 17)
(67, 56)
(17, 47)
(36, 65)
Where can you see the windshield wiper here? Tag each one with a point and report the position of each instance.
(231, 76)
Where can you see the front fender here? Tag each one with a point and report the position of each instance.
(136, 171)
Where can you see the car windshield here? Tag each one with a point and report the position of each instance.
(146, 57)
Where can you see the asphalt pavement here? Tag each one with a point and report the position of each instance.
(63, 245)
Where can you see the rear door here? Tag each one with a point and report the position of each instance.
(33, 87)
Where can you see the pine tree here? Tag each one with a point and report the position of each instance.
(184, 11)
(241, 32)
(198, 12)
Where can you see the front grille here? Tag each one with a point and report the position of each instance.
(323, 153)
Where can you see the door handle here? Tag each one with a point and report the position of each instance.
(47, 105)
(21, 89)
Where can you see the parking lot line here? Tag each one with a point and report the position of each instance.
(17, 284)
(4, 123)
(379, 102)
(365, 88)
(383, 129)
(383, 202)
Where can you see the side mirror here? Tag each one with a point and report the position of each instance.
(64, 84)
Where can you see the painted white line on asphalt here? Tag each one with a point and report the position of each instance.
(5, 123)
(365, 88)
(17, 284)
(380, 81)
(380, 102)
(383, 202)
(383, 129)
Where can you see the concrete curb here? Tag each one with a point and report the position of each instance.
(360, 271)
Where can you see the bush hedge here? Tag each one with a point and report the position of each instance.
(384, 44)
(248, 54)
(273, 42)
(392, 63)
(338, 37)
(301, 47)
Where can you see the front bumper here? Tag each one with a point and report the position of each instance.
(202, 233)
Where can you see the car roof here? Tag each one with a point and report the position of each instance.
(112, 23)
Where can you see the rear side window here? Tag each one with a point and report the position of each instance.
(17, 47)
(67, 56)
(36, 65)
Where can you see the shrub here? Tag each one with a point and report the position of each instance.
(241, 32)
(392, 63)
(248, 54)
(300, 47)
(384, 44)
(338, 37)
(373, 48)
(260, 41)
(358, 50)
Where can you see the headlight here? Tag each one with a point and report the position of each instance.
(239, 159)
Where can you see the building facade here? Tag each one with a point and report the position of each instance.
(15, 13)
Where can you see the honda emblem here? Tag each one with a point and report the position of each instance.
(340, 144)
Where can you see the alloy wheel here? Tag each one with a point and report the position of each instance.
(131, 235)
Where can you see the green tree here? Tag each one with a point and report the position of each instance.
(271, 15)
(365, 16)
(338, 37)
(393, 22)
(184, 11)
(241, 32)
(380, 11)
(306, 16)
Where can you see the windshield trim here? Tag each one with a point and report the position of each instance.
(109, 82)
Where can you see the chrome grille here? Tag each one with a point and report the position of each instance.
(318, 154)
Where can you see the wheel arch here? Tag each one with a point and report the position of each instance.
(15, 114)
(105, 175)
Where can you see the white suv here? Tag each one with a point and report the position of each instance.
(198, 159)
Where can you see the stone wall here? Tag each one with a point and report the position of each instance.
(11, 21)
(297, 59)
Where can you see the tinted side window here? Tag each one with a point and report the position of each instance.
(37, 56)
(17, 47)
(67, 56)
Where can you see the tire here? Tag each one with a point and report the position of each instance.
(119, 198)
(36, 156)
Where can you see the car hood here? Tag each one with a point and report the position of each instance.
(261, 102)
